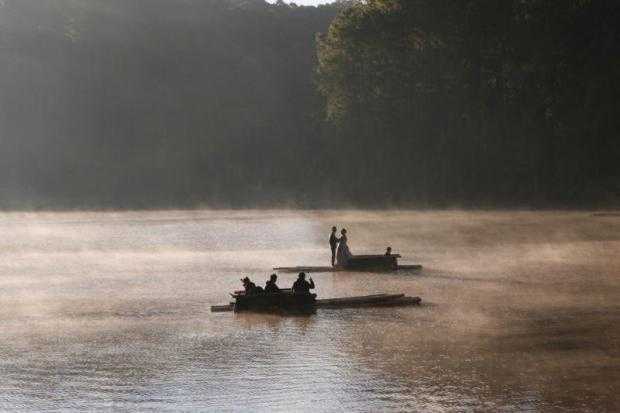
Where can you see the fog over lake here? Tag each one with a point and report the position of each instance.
(109, 311)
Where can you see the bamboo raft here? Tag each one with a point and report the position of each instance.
(337, 268)
(359, 263)
(375, 300)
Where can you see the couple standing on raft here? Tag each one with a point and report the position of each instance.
(340, 248)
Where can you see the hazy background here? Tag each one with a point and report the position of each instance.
(166, 104)
(188, 103)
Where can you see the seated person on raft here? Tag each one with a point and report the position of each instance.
(271, 287)
(250, 288)
(301, 286)
(388, 251)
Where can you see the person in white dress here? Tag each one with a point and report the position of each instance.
(344, 254)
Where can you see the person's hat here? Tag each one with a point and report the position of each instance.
(273, 276)
(246, 279)
(334, 228)
(302, 275)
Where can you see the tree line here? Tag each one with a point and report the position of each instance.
(243, 103)
(479, 102)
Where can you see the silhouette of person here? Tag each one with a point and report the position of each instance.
(271, 286)
(250, 288)
(301, 286)
(343, 254)
(333, 243)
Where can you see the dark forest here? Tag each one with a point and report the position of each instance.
(242, 103)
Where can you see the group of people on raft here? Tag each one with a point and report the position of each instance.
(300, 286)
(340, 256)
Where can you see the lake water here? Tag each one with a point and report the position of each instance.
(110, 311)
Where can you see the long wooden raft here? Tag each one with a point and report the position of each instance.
(318, 269)
(375, 300)
(374, 263)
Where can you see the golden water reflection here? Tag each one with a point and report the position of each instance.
(108, 311)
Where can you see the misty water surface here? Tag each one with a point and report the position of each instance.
(109, 311)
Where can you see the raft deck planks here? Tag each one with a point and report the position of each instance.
(375, 300)
(310, 269)
(222, 308)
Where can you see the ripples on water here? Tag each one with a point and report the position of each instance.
(108, 311)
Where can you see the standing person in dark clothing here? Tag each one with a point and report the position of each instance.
(271, 286)
(301, 286)
(333, 243)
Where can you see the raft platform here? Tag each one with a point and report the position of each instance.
(382, 263)
(374, 300)
(309, 269)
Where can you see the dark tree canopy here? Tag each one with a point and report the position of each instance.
(480, 101)
(183, 103)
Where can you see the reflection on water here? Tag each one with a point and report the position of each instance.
(104, 311)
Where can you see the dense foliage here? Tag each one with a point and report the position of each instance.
(176, 103)
(157, 103)
(479, 101)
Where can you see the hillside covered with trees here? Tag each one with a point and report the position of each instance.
(242, 103)
(480, 101)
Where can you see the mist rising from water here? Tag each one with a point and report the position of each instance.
(514, 302)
